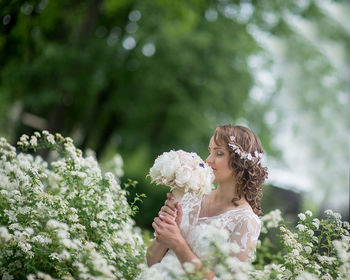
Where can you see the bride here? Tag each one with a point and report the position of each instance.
(234, 155)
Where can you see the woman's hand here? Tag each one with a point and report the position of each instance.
(172, 209)
(167, 231)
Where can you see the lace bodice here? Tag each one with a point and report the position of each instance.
(242, 224)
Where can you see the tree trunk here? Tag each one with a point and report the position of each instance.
(90, 20)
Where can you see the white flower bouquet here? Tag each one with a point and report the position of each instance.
(182, 172)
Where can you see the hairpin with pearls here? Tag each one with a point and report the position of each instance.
(243, 154)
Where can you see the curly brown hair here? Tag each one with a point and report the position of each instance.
(249, 174)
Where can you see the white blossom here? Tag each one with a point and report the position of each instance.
(301, 227)
(308, 249)
(189, 267)
(4, 234)
(308, 212)
(302, 216)
(306, 276)
(316, 223)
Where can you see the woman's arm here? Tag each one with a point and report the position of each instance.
(155, 252)
(185, 254)
(168, 233)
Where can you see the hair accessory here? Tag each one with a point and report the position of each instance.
(243, 154)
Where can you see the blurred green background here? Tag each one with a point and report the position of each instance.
(141, 77)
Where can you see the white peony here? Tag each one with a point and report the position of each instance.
(183, 175)
(184, 171)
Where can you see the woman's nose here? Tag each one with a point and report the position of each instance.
(209, 160)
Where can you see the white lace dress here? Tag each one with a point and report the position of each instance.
(242, 224)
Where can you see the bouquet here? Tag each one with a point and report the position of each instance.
(182, 172)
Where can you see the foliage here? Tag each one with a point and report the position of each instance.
(142, 77)
(63, 219)
(147, 76)
(102, 67)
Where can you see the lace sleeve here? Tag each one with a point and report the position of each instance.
(245, 230)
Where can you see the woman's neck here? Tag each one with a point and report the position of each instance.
(225, 192)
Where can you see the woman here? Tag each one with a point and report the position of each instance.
(234, 155)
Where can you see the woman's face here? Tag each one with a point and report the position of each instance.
(218, 160)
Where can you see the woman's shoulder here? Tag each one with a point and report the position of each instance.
(246, 214)
(243, 218)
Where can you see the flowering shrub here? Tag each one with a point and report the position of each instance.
(319, 247)
(65, 219)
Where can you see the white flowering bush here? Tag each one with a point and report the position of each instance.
(63, 219)
(115, 165)
(183, 171)
(316, 249)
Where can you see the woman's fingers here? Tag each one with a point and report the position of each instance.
(178, 208)
(170, 196)
(168, 210)
(178, 218)
(169, 220)
(155, 226)
(170, 202)
(162, 215)
(158, 221)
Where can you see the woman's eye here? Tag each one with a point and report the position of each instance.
(219, 154)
